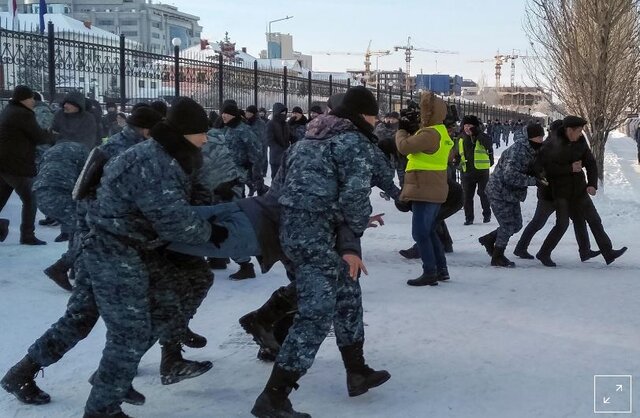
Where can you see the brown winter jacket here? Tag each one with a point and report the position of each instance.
(424, 186)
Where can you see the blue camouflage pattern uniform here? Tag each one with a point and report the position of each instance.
(44, 117)
(120, 142)
(246, 149)
(59, 169)
(259, 128)
(507, 187)
(327, 183)
(142, 204)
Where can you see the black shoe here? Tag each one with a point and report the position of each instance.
(193, 340)
(174, 369)
(58, 273)
(410, 253)
(360, 377)
(261, 332)
(486, 219)
(48, 222)
(218, 263)
(488, 242)
(267, 355)
(19, 381)
(246, 272)
(4, 229)
(443, 275)
(466, 223)
(611, 257)
(523, 253)
(63, 237)
(30, 239)
(385, 196)
(133, 397)
(546, 260)
(498, 258)
(274, 401)
(589, 255)
(118, 414)
(448, 248)
(424, 280)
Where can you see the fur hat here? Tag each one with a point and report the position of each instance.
(21, 93)
(297, 109)
(535, 130)
(144, 117)
(316, 109)
(573, 122)
(471, 120)
(187, 117)
(252, 109)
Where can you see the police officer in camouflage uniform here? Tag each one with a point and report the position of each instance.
(259, 128)
(327, 183)
(507, 187)
(60, 167)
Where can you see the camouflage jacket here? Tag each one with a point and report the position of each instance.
(512, 174)
(246, 148)
(60, 166)
(120, 142)
(331, 172)
(143, 198)
(44, 115)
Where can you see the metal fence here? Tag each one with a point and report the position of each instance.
(118, 70)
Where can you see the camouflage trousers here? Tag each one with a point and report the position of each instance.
(326, 293)
(509, 217)
(59, 205)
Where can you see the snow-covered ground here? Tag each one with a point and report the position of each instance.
(523, 342)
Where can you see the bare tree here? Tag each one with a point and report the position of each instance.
(587, 54)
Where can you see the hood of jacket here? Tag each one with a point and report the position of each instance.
(278, 108)
(327, 126)
(77, 99)
(433, 109)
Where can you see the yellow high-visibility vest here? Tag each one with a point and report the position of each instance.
(437, 161)
(481, 159)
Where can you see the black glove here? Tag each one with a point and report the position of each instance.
(219, 234)
(403, 206)
(225, 190)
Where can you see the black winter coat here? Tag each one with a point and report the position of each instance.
(555, 161)
(277, 134)
(19, 135)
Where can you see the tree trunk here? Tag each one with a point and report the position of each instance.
(598, 141)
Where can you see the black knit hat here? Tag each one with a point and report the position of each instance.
(160, 107)
(360, 100)
(187, 117)
(252, 109)
(471, 120)
(262, 109)
(230, 107)
(297, 109)
(144, 117)
(316, 109)
(555, 125)
(109, 105)
(573, 122)
(335, 100)
(534, 130)
(21, 93)
(139, 105)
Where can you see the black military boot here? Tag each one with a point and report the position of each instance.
(193, 340)
(118, 414)
(489, 241)
(246, 272)
(218, 263)
(4, 229)
(443, 274)
(58, 273)
(411, 253)
(611, 256)
(30, 239)
(588, 255)
(19, 381)
(545, 259)
(174, 369)
(274, 401)
(498, 258)
(63, 237)
(426, 279)
(360, 377)
(259, 323)
(47, 221)
(523, 253)
(133, 397)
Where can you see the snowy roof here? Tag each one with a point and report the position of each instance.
(195, 52)
(30, 22)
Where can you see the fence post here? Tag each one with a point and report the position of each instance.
(390, 100)
(220, 82)
(309, 86)
(348, 83)
(255, 82)
(377, 91)
(52, 62)
(123, 76)
(330, 85)
(285, 79)
(401, 97)
(176, 69)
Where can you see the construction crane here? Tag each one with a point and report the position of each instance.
(367, 57)
(408, 56)
(499, 61)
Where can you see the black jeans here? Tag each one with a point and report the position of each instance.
(544, 210)
(469, 183)
(580, 210)
(23, 187)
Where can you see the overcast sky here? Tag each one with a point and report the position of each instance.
(474, 28)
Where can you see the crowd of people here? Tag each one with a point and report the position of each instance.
(173, 193)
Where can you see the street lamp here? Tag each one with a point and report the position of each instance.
(176, 42)
(269, 33)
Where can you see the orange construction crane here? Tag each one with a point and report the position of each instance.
(367, 57)
(499, 60)
(408, 57)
